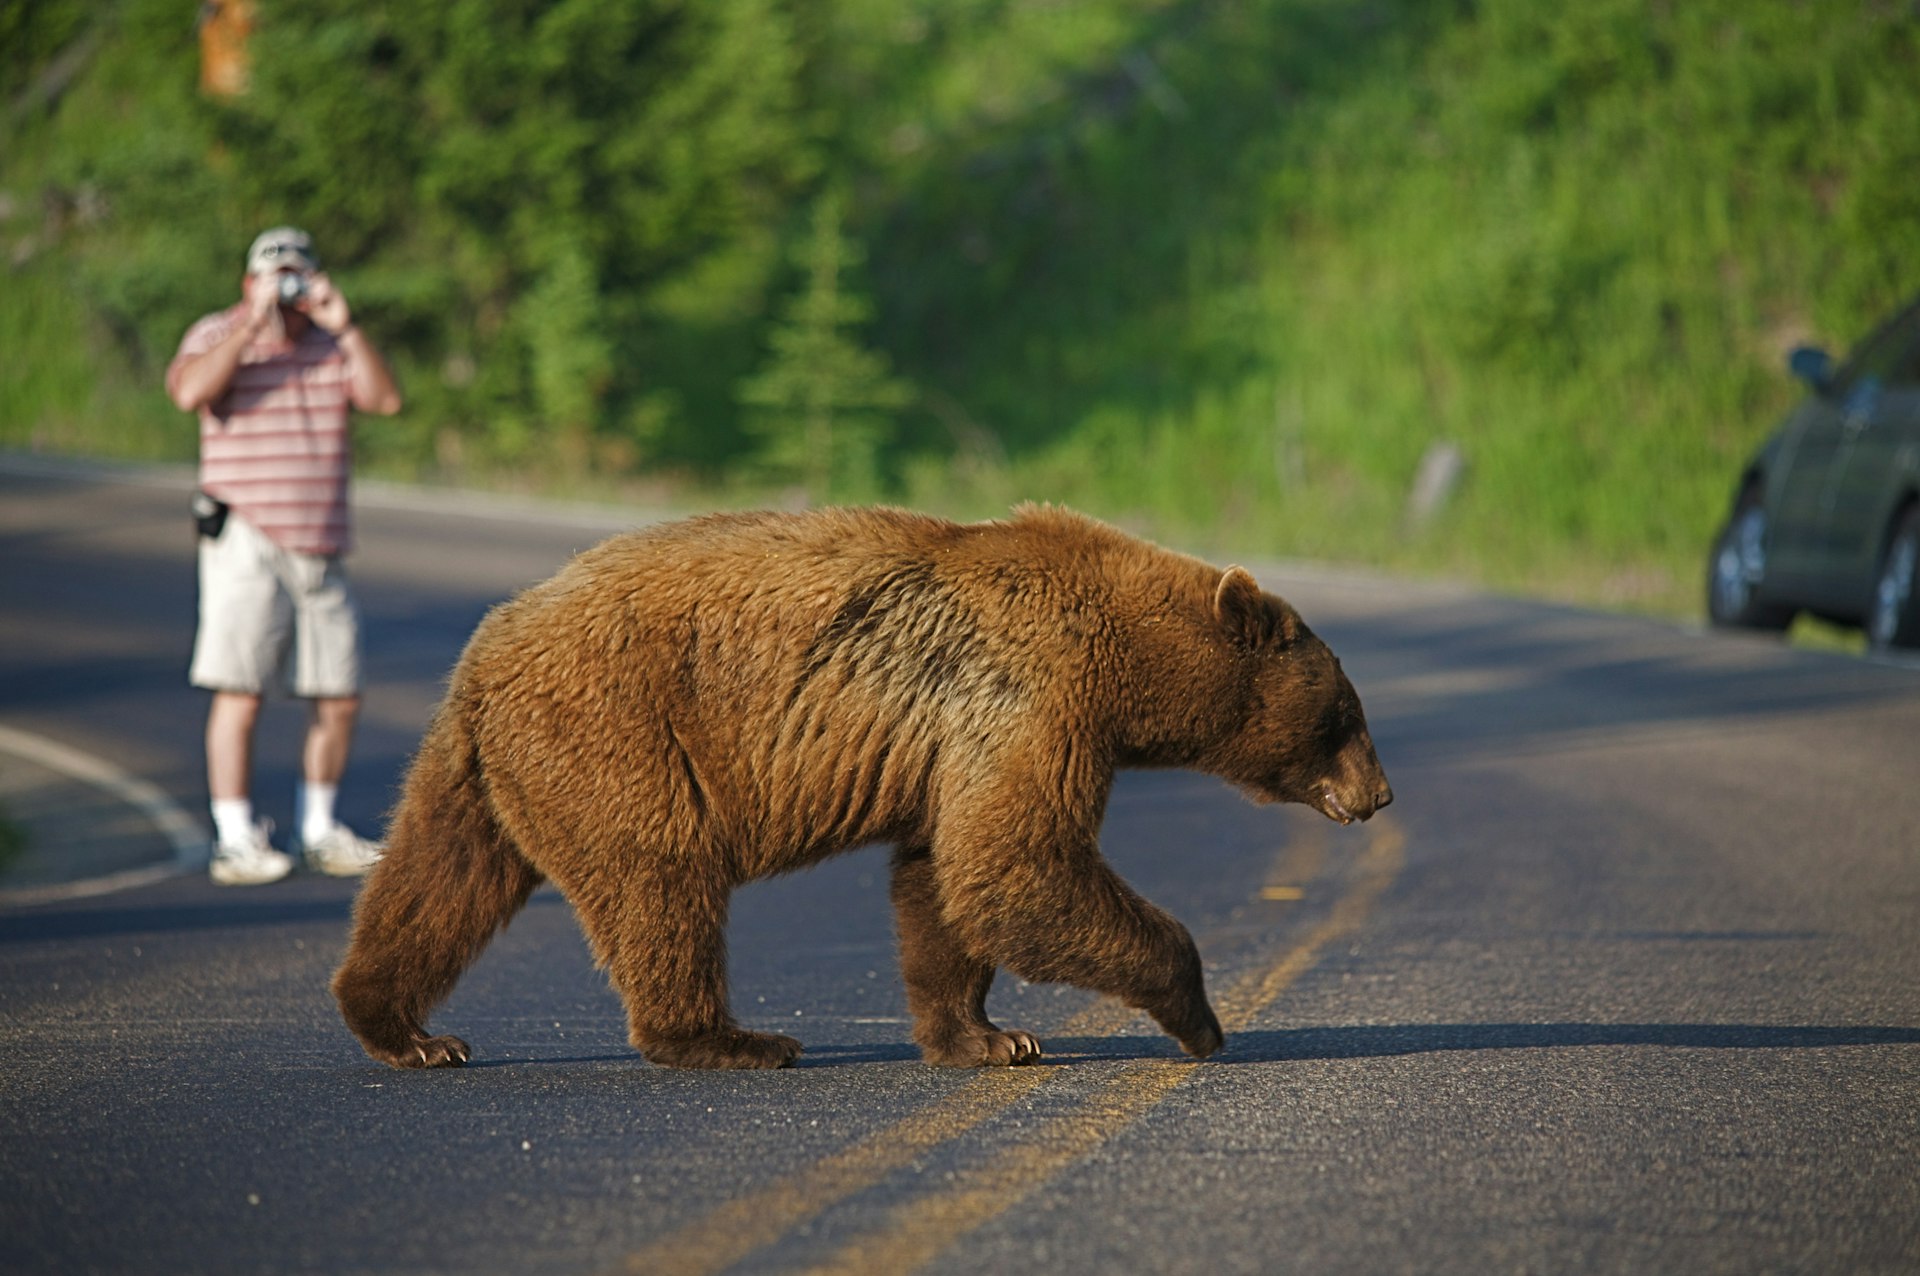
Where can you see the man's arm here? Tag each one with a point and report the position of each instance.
(205, 377)
(370, 385)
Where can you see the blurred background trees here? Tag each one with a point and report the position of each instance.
(1222, 269)
(825, 403)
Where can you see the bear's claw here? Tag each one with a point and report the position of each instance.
(984, 1048)
(432, 1052)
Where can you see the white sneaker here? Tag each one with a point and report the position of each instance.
(342, 853)
(253, 862)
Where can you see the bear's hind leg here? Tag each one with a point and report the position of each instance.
(662, 937)
(448, 881)
(946, 986)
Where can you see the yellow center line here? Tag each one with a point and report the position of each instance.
(1379, 865)
(923, 1228)
(1300, 863)
(748, 1223)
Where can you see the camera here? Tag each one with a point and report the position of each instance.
(292, 288)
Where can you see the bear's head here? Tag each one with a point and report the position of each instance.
(1304, 735)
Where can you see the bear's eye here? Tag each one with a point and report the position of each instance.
(1337, 723)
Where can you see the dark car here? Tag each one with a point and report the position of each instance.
(1826, 517)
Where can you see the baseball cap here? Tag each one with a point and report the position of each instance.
(283, 247)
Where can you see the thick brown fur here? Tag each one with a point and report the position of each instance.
(697, 705)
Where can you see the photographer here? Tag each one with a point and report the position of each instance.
(273, 379)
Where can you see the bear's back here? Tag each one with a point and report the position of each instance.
(752, 605)
(799, 564)
(807, 679)
(803, 679)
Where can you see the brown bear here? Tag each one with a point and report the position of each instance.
(696, 705)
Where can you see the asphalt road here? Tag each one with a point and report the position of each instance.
(1627, 980)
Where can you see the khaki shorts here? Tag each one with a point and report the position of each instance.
(273, 616)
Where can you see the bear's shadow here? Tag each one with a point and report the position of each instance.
(1385, 1041)
(1303, 1045)
(1295, 1045)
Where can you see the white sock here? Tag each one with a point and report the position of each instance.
(232, 821)
(316, 810)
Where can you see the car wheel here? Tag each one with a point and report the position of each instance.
(1893, 614)
(1737, 569)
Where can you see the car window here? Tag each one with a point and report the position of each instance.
(1891, 356)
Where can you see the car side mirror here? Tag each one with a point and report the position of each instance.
(1812, 365)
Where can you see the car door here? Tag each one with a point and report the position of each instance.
(1797, 493)
(1876, 460)
(1807, 541)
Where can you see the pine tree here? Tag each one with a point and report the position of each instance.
(822, 403)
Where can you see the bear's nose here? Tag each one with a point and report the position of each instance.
(1384, 797)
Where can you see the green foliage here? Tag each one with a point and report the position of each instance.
(33, 34)
(517, 197)
(540, 171)
(1575, 242)
(1223, 269)
(824, 401)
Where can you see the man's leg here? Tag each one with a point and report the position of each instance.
(323, 760)
(242, 855)
(329, 739)
(327, 673)
(231, 719)
(243, 629)
(330, 846)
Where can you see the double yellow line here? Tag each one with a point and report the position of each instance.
(924, 1226)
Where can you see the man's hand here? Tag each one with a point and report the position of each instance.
(326, 305)
(263, 295)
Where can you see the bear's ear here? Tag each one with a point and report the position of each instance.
(1240, 609)
(1249, 617)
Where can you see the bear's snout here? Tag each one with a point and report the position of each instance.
(1382, 796)
(1356, 790)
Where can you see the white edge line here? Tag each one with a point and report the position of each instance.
(187, 838)
(27, 896)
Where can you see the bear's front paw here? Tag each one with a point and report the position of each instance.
(1190, 1021)
(1205, 1039)
(982, 1048)
(727, 1048)
(429, 1052)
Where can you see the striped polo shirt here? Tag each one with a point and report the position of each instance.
(275, 446)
